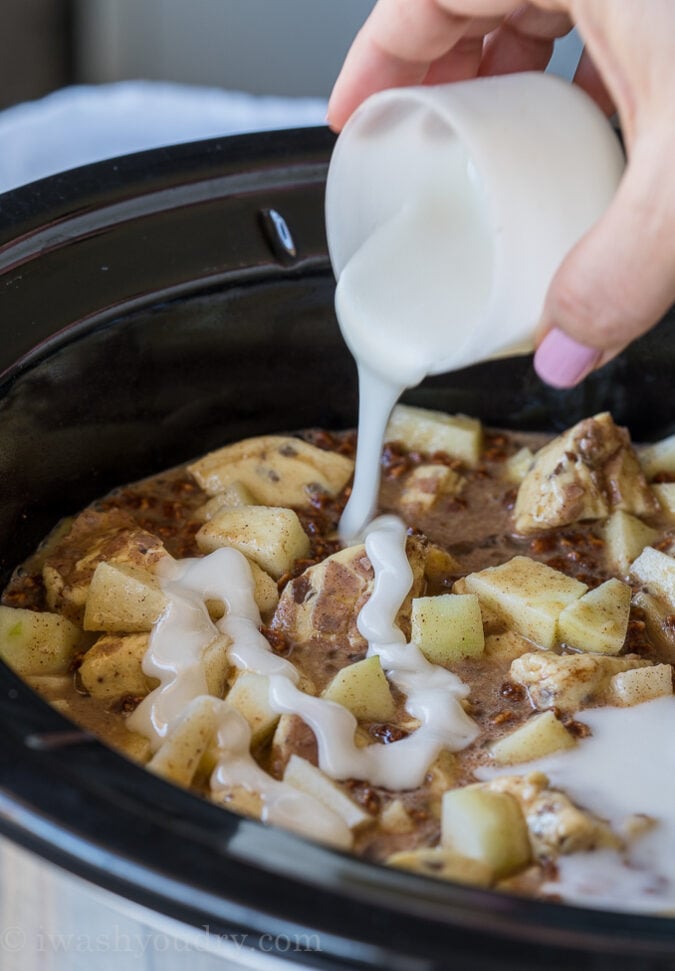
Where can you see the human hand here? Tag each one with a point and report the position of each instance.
(620, 278)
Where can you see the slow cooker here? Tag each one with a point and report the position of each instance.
(154, 307)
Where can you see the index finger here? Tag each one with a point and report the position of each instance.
(398, 43)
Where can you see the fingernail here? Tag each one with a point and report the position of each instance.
(563, 362)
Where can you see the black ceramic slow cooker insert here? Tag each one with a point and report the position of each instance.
(155, 307)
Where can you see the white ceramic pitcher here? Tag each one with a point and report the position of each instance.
(449, 209)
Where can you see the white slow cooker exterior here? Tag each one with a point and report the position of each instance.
(50, 919)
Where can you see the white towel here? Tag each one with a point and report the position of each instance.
(78, 125)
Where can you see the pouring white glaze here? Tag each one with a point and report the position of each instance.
(448, 210)
(412, 290)
(626, 766)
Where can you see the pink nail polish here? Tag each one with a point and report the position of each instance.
(563, 362)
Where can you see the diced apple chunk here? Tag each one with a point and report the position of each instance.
(658, 617)
(598, 621)
(271, 536)
(307, 778)
(112, 667)
(659, 457)
(527, 595)
(123, 598)
(108, 536)
(539, 736)
(441, 775)
(486, 826)
(625, 538)
(395, 818)
(448, 627)
(250, 696)
(134, 746)
(50, 686)
(438, 563)
(216, 664)
(665, 493)
(278, 469)
(434, 431)
(656, 572)
(240, 800)
(640, 685)
(266, 592)
(442, 864)
(506, 647)
(427, 483)
(363, 688)
(36, 643)
(233, 496)
(178, 757)
(517, 466)
(493, 622)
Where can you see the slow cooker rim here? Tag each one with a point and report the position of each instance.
(57, 198)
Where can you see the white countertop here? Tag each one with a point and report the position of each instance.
(53, 921)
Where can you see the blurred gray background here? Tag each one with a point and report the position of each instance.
(283, 47)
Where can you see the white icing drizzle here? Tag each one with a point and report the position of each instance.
(226, 576)
(377, 398)
(627, 766)
(175, 656)
(282, 804)
(185, 630)
(433, 694)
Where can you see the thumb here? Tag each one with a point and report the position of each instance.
(619, 280)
